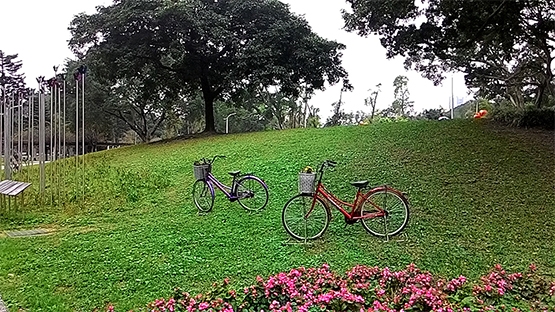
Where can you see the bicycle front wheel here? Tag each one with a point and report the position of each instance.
(301, 224)
(391, 208)
(252, 193)
(203, 195)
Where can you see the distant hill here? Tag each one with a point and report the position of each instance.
(461, 110)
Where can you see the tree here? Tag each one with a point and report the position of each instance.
(373, 99)
(278, 107)
(313, 119)
(141, 102)
(219, 48)
(339, 117)
(11, 80)
(504, 47)
(402, 105)
(358, 117)
(99, 124)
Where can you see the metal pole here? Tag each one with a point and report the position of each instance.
(76, 135)
(20, 132)
(29, 136)
(59, 146)
(42, 138)
(452, 100)
(7, 126)
(64, 123)
(52, 151)
(51, 104)
(29, 127)
(227, 122)
(32, 123)
(83, 132)
(2, 124)
(64, 142)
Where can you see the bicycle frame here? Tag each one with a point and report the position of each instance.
(229, 192)
(323, 194)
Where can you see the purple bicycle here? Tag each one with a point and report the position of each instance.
(250, 191)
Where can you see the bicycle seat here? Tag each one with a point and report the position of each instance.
(234, 173)
(360, 184)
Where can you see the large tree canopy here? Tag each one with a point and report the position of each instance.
(503, 46)
(220, 47)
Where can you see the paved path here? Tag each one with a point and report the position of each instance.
(3, 306)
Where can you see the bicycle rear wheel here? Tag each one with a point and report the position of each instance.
(298, 224)
(203, 195)
(252, 193)
(395, 208)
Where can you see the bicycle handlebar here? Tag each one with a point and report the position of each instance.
(327, 163)
(215, 157)
(206, 161)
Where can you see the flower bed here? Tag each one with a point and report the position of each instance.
(373, 289)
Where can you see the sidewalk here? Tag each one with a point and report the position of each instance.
(3, 306)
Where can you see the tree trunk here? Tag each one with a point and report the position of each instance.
(539, 96)
(209, 113)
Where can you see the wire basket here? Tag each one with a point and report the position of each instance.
(306, 182)
(201, 171)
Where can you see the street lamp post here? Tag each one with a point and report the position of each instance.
(227, 122)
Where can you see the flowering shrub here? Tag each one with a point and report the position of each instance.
(371, 289)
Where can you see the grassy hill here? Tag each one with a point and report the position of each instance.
(480, 195)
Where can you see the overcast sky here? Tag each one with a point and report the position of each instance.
(37, 31)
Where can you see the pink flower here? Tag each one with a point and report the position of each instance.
(533, 267)
(203, 306)
(274, 305)
(171, 305)
(513, 277)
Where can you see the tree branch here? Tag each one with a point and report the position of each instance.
(481, 29)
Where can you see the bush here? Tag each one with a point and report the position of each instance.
(372, 289)
(530, 117)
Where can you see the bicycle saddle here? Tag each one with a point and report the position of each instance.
(360, 184)
(234, 173)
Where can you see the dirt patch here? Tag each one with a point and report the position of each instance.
(29, 233)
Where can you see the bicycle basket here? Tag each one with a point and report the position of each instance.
(201, 171)
(306, 182)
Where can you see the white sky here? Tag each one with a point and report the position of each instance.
(37, 31)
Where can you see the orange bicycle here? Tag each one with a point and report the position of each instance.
(383, 211)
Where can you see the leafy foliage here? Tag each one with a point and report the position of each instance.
(402, 105)
(432, 114)
(218, 48)
(372, 100)
(506, 48)
(11, 80)
(530, 117)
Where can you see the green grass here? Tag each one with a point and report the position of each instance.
(480, 195)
